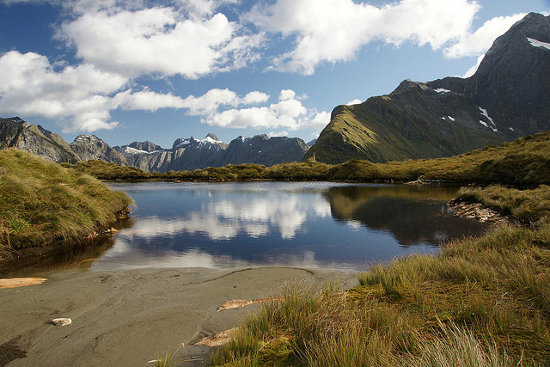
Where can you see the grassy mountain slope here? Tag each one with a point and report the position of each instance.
(406, 124)
(43, 204)
(508, 97)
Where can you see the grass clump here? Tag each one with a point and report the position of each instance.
(42, 203)
(524, 205)
(480, 302)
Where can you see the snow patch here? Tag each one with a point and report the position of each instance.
(491, 122)
(130, 150)
(511, 129)
(483, 123)
(210, 140)
(442, 90)
(537, 43)
(443, 118)
(451, 118)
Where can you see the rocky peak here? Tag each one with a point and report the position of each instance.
(147, 146)
(89, 147)
(212, 136)
(514, 76)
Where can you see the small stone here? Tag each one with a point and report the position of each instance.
(63, 321)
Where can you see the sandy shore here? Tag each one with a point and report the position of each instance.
(126, 318)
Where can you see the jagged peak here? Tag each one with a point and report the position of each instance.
(212, 136)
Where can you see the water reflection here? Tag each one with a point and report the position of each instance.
(413, 214)
(271, 223)
(295, 224)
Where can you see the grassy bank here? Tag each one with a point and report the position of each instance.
(480, 302)
(523, 162)
(44, 204)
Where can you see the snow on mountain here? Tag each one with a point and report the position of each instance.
(537, 43)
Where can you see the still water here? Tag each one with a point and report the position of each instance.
(325, 225)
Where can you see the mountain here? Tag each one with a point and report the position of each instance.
(191, 153)
(261, 149)
(508, 97)
(185, 154)
(89, 147)
(15, 132)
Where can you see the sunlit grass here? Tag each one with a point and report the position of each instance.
(480, 302)
(42, 202)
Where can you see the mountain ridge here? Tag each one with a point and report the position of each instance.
(508, 97)
(185, 154)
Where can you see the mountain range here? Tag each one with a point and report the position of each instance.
(508, 97)
(185, 154)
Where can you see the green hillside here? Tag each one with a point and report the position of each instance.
(407, 124)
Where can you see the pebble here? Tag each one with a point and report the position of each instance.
(63, 321)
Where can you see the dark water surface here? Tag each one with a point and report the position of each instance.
(319, 224)
(275, 223)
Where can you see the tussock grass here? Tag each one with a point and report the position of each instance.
(522, 163)
(524, 205)
(480, 302)
(42, 203)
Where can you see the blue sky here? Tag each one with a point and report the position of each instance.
(158, 70)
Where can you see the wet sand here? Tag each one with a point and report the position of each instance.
(127, 318)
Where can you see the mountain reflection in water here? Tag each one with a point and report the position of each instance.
(274, 223)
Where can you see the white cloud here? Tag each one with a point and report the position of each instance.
(272, 134)
(81, 98)
(471, 71)
(321, 119)
(288, 112)
(334, 30)
(146, 100)
(29, 85)
(478, 42)
(211, 101)
(158, 40)
(287, 94)
(355, 101)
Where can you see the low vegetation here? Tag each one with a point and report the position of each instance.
(44, 204)
(524, 162)
(480, 302)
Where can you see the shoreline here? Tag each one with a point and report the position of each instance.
(129, 317)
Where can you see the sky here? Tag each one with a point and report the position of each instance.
(158, 70)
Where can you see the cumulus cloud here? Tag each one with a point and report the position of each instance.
(29, 85)
(288, 112)
(355, 101)
(334, 30)
(478, 42)
(158, 40)
(82, 98)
